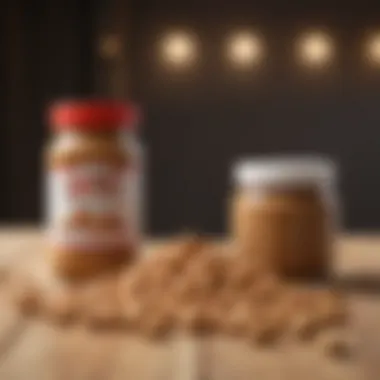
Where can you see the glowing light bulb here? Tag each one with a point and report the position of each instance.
(372, 49)
(110, 47)
(315, 49)
(179, 49)
(245, 49)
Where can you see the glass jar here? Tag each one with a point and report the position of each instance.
(284, 213)
(89, 190)
(137, 191)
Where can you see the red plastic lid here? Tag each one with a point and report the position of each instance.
(92, 114)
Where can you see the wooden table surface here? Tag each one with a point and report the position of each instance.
(34, 350)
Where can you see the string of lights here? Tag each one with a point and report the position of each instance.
(314, 49)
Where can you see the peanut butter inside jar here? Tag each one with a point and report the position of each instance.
(283, 214)
(87, 173)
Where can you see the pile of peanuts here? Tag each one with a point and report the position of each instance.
(195, 285)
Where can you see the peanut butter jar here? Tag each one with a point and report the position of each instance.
(284, 213)
(90, 175)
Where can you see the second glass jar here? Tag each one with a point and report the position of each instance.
(284, 213)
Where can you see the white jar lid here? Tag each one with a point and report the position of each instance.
(283, 171)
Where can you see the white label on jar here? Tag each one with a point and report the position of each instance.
(89, 207)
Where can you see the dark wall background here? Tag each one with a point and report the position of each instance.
(47, 52)
(196, 123)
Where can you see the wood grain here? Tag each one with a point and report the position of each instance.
(35, 350)
(15, 254)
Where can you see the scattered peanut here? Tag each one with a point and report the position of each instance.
(192, 317)
(265, 333)
(305, 326)
(193, 284)
(336, 345)
(103, 315)
(332, 309)
(26, 295)
(242, 274)
(61, 307)
(156, 325)
(238, 318)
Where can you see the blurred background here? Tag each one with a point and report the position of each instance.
(217, 80)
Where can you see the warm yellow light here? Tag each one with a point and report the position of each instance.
(315, 49)
(245, 49)
(179, 49)
(110, 47)
(372, 49)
